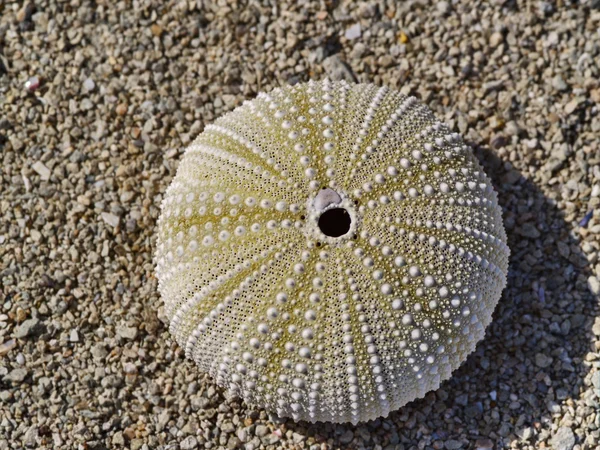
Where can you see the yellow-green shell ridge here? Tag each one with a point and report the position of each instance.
(322, 328)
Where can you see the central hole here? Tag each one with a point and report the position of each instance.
(334, 222)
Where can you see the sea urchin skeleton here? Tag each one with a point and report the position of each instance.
(330, 251)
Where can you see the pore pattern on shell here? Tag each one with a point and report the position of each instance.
(316, 326)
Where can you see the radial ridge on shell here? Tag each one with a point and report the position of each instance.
(330, 251)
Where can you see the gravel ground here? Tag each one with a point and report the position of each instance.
(97, 102)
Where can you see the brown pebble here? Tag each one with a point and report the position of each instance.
(129, 433)
(156, 30)
(121, 109)
(21, 315)
(25, 12)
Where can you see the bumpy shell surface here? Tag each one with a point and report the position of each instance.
(315, 326)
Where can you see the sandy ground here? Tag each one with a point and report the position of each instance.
(98, 100)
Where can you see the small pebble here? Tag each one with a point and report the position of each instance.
(543, 361)
(353, 32)
(110, 219)
(32, 84)
(571, 106)
(594, 284)
(496, 39)
(563, 439)
(261, 431)
(452, 444)
(586, 219)
(27, 328)
(7, 346)
(127, 332)
(17, 376)
(347, 437)
(189, 443)
(443, 7)
(596, 380)
(121, 109)
(484, 444)
(88, 85)
(41, 170)
(559, 84)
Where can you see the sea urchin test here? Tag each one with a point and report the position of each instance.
(330, 251)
